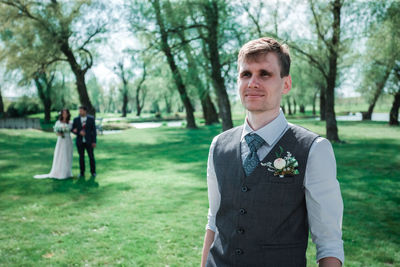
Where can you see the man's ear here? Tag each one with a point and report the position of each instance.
(287, 84)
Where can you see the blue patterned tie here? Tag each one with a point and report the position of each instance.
(254, 141)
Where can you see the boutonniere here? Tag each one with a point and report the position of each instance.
(283, 166)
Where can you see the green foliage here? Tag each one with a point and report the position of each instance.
(23, 107)
(382, 48)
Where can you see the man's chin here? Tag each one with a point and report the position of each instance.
(255, 110)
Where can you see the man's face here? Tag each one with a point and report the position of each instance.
(82, 112)
(260, 84)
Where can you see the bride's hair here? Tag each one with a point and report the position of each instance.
(61, 115)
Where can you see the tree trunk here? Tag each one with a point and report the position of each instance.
(379, 89)
(124, 102)
(322, 104)
(302, 109)
(314, 104)
(211, 16)
(394, 111)
(44, 86)
(140, 104)
(79, 77)
(168, 106)
(283, 108)
(331, 124)
(1, 105)
(138, 109)
(191, 123)
(294, 106)
(209, 112)
(289, 106)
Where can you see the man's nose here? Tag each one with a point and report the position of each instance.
(253, 82)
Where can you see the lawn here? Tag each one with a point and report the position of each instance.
(150, 205)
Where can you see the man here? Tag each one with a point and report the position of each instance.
(84, 127)
(270, 182)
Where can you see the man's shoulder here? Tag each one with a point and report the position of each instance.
(302, 131)
(90, 117)
(230, 132)
(76, 118)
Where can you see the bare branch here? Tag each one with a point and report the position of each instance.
(89, 62)
(180, 44)
(98, 30)
(317, 24)
(253, 19)
(184, 28)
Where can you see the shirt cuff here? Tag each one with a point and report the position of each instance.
(209, 227)
(211, 222)
(331, 249)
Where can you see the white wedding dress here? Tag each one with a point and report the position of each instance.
(62, 159)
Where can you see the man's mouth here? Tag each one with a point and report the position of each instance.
(253, 95)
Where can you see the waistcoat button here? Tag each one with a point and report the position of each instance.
(242, 211)
(238, 251)
(245, 188)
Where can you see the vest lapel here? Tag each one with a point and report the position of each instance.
(237, 139)
(260, 171)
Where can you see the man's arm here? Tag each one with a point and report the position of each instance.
(330, 262)
(208, 240)
(74, 127)
(214, 199)
(324, 204)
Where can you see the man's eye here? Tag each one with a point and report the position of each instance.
(246, 74)
(264, 73)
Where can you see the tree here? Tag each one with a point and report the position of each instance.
(166, 48)
(193, 71)
(44, 85)
(121, 71)
(55, 24)
(211, 13)
(1, 105)
(140, 95)
(394, 110)
(380, 56)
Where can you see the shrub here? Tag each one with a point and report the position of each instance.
(23, 107)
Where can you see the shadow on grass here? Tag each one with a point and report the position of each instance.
(68, 185)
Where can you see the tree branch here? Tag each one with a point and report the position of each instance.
(317, 24)
(97, 31)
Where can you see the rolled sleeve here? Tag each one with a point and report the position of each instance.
(324, 201)
(214, 197)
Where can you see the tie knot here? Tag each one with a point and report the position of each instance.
(254, 141)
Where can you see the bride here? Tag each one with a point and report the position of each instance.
(62, 160)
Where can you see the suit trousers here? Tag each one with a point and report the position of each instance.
(81, 150)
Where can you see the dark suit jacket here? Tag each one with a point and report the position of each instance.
(90, 129)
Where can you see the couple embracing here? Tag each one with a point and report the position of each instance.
(84, 127)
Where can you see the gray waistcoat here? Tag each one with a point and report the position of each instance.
(262, 219)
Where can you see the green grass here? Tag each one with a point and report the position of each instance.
(151, 203)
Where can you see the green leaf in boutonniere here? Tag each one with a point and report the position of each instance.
(283, 166)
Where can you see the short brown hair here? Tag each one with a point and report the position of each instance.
(262, 46)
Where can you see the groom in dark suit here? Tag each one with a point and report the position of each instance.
(84, 127)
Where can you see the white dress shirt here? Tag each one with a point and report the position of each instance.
(83, 122)
(322, 191)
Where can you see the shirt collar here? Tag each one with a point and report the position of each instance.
(269, 132)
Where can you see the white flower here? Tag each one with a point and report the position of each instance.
(279, 163)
